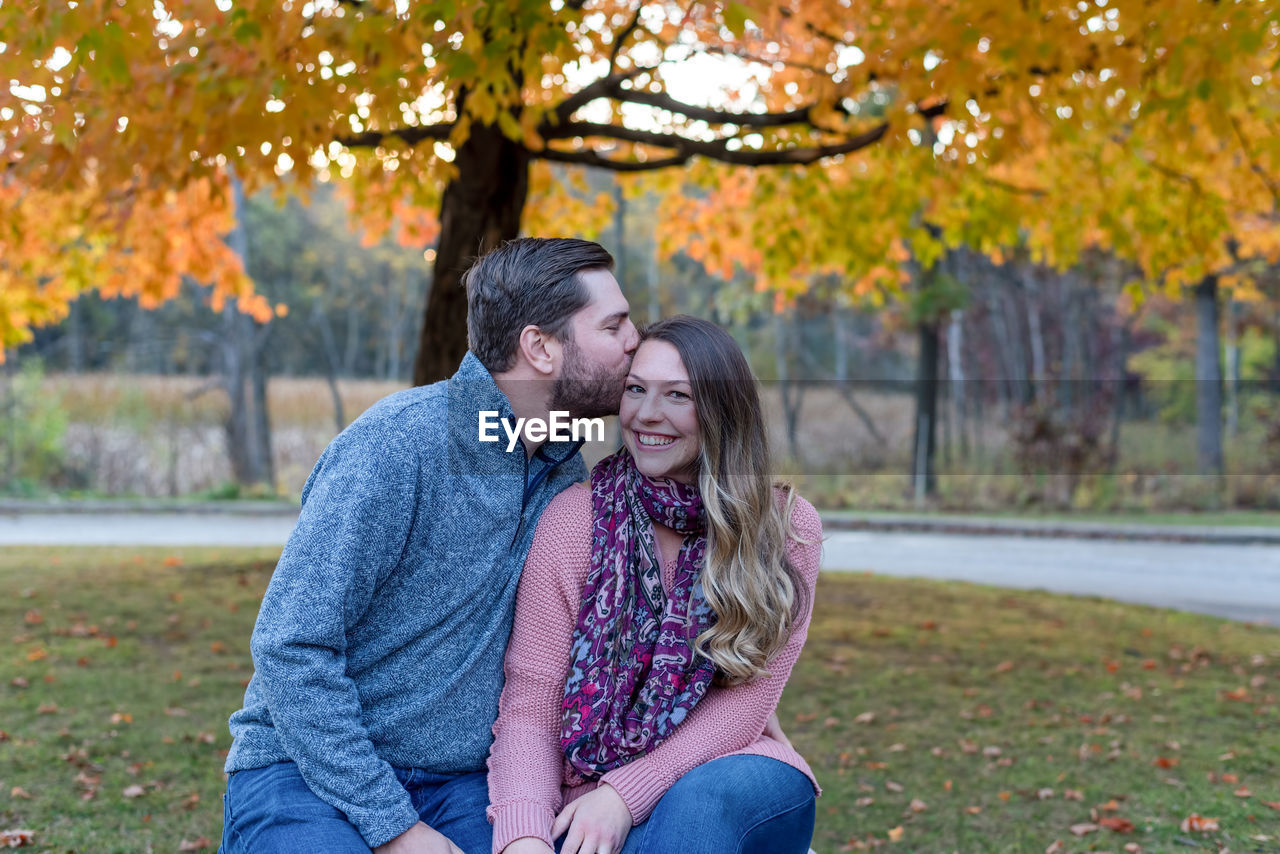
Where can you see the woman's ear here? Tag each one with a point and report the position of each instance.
(540, 350)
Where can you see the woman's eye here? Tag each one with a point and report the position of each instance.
(634, 389)
(679, 395)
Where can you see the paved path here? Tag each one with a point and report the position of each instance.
(1237, 581)
(1240, 581)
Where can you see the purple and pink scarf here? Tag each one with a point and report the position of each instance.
(634, 675)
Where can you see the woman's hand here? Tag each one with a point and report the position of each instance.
(528, 845)
(598, 823)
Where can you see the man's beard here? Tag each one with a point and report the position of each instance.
(585, 390)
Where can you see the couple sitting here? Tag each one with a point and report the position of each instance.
(645, 625)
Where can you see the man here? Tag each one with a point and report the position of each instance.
(379, 646)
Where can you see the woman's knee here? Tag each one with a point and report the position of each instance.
(737, 801)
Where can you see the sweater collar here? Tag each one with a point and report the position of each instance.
(473, 390)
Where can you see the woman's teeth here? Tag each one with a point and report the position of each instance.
(654, 440)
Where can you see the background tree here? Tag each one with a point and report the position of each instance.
(125, 116)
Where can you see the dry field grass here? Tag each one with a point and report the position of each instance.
(162, 436)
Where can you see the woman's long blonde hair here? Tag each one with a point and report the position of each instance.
(747, 579)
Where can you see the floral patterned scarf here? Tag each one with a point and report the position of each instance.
(634, 675)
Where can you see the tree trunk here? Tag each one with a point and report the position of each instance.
(1233, 368)
(955, 378)
(248, 428)
(925, 447)
(790, 392)
(1208, 379)
(481, 209)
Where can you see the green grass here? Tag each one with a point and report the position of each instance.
(935, 669)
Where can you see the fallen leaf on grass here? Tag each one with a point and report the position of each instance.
(1116, 824)
(1275, 805)
(1005, 796)
(1055, 847)
(1044, 794)
(1198, 822)
(47, 709)
(1084, 829)
(1243, 792)
(134, 791)
(19, 792)
(895, 834)
(1230, 778)
(892, 786)
(1166, 762)
(865, 718)
(864, 802)
(195, 845)
(16, 838)
(973, 810)
(1133, 848)
(1072, 795)
(918, 805)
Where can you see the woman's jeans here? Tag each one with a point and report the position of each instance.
(731, 805)
(272, 811)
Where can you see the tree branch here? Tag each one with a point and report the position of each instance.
(587, 157)
(408, 135)
(620, 38)
(596, 89)
(713, 149)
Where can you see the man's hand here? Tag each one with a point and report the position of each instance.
(528, 845)
(598, 823)
(419, 839)
(773, 729)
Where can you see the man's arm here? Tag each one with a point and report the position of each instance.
(357, 509)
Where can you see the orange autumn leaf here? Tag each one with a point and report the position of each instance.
(1116, 824)
(895, 834)
(1195, 822)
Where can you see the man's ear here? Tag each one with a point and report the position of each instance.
(540, 350)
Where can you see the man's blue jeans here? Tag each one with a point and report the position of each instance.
(272, 811)
(731, 805)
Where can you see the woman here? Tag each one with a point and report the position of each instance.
(675, 595)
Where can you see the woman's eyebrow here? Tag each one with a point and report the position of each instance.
(640, 379)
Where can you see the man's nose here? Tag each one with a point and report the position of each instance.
(633, 338)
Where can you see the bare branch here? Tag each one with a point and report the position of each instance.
(596, 89)
(408, 135)
(715, 149)
(619, 132)
(592, 158)
(620, 38)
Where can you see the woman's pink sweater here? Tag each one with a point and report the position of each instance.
(526, 765)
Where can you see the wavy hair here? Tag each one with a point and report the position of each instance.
(747, 579)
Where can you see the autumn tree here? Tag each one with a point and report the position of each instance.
(123, 119)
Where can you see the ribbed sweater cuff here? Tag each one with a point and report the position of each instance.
(513, 820)
(380, 828)
(640, 790)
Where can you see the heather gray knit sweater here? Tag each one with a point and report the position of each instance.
(381, 637)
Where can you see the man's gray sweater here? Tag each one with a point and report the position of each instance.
(380, 640)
